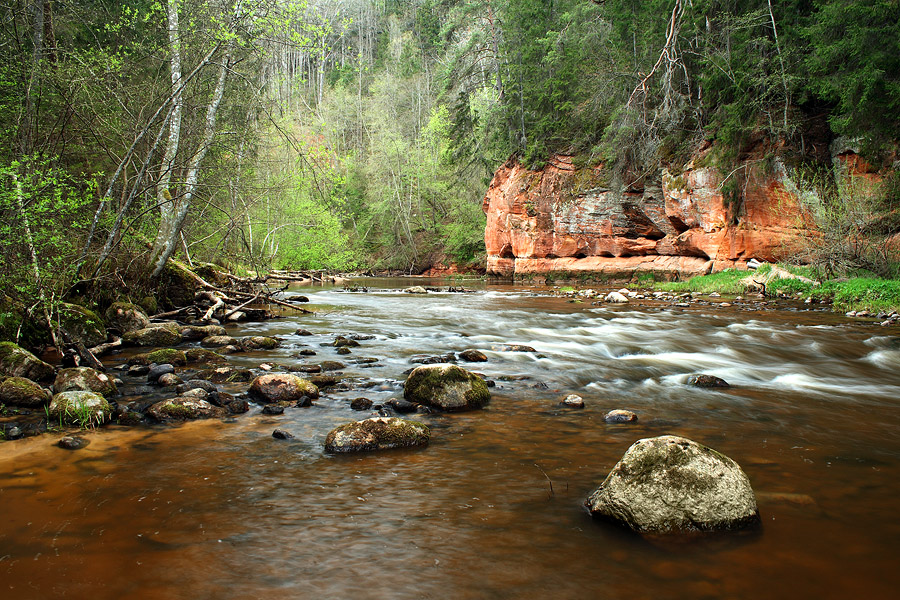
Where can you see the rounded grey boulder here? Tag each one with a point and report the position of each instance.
(671, 484)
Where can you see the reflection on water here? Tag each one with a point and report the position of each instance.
(222, 510)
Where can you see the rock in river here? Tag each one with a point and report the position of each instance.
(84, 379)
(672, 484)
(707, 381)
(620, 416)
(446, 387)
(281, 387)
(79, 407)
(378, 433)
(184, 408)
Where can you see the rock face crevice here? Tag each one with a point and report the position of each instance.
(564, 219)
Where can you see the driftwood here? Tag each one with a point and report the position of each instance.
(102, 349)
(237, 308)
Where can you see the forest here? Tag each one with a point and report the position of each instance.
(362, 134)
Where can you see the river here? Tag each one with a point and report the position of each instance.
(493, 507)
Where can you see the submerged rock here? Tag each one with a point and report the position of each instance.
(19, 391)
(446, 387)
(281, 387)
(84, 379)
(672, 484)
(378, 433)
(620, 416)
(281, 434)
(707, 381)
(72, 442)
(18, 362)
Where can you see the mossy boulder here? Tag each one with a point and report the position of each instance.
(80, 408)
(185, 408)
(671, 484)
(83, 325)
(212, 273)
(168, 355)
(446, 387)
(126, 317)
(258, 342)
(281, 387)
(202, 355)
(162, 335)
(18, 391)
(84, 379)
(378, 433)
(18, 362)
(219, 341)
(198, 332)
(226, 374)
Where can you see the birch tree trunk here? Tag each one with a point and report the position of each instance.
(174, 212)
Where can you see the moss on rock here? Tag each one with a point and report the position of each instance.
(82, 324)
(84, 379)
(161, 335)
(126, 317)
(168, 355)
(378, 433)
(446, 387)
(184, 409)
(281, 387)
(18, 362)
(19, 391)
(80, 408)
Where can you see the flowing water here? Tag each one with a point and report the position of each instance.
(493, 507)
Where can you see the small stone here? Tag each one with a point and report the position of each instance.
(302, 331)
(157, 371)
(14, 433)
(138, 370)
(360, 404)
(169, 380)
(343, 350)
(306, 352)
(616, 298)
(378, 433)
(402, 406)
(281, 434)
(473, 356)
(416, 289)
(237, 407)
(707, 381)
(265, 367)
(304, 402)
(72, 443)
(272, 409)
(620, 416)
(573, 401)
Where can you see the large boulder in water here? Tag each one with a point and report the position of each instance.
(126, 317)
(18, 391)
(446, 387)
(79, 408)
(378, 433)
(18, 362)
(672, 484)
(281, 387)
(84, 379)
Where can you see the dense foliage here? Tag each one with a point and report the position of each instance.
(362, 133)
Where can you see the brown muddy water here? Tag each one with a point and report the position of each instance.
(223, 510)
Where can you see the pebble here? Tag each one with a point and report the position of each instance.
(156, 371)
(272, 409)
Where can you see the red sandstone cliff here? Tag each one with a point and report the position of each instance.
(563, 220)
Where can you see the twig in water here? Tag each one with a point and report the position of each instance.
(548, 479)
